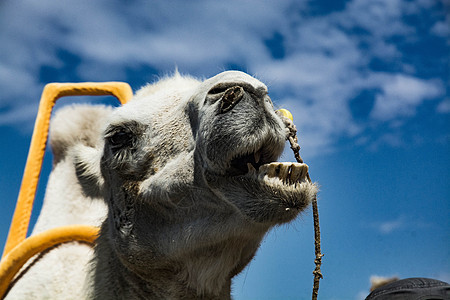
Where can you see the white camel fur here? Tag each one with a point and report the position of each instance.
(183, 181)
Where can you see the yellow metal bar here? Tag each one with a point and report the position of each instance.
(52, 92)
(17, 257)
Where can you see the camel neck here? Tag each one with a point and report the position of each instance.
(113, 280)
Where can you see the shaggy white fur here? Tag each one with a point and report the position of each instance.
(61, 273)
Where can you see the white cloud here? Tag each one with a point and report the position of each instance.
(387, 227)
(19, 115)
(442, 28)
(391, 139)
(444, 106)
(370, 14)
(401, 94)
(324, 67)
(400, 223)
(390, 226)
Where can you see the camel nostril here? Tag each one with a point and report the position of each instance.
(230, 98)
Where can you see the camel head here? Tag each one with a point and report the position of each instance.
(189, 172)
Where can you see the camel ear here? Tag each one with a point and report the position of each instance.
(76, 133)
(77, 125)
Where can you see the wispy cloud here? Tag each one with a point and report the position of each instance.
(401, 94)
(400, 223)
(325, 61)
(444, 106)
(390, 226)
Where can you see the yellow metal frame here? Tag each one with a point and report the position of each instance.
(18, 249)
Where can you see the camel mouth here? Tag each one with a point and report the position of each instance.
(239, 165)
(286, 181)
(263, 165)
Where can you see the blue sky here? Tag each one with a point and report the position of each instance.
(366, 81)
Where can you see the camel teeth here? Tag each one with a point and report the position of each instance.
(263, 169)
(284, 172)
(273, 169)
(290, 173)
(298, 172)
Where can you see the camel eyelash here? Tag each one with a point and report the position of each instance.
(123, 135)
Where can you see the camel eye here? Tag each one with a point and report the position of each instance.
(120, 138)
(124, 135)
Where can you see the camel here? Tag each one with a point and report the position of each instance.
(184, 182)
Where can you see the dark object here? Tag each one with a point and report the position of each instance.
(412, 289)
